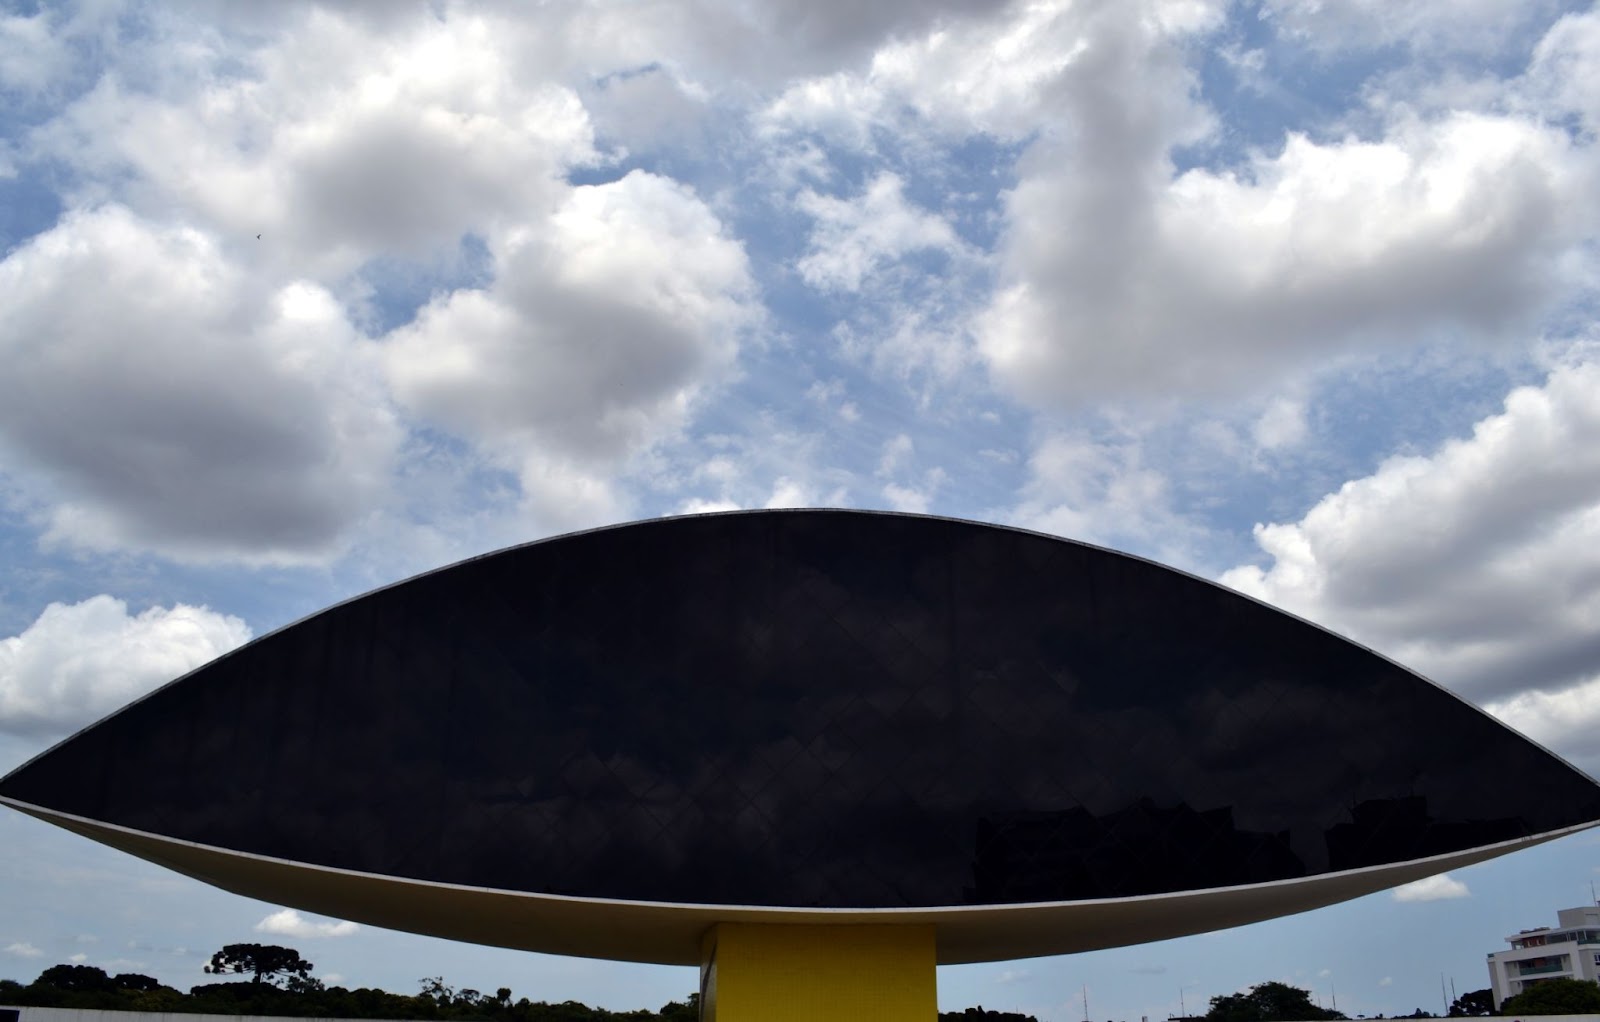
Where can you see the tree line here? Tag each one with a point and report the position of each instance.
(280, 983)
(1280, 1002)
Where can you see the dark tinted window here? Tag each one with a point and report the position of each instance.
(813, 709)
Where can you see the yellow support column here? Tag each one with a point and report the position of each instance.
(755, 972)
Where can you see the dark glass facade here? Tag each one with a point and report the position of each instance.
(812, 709)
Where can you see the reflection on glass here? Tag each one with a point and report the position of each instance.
(811, 708)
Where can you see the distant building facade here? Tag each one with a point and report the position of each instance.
(1568, 950)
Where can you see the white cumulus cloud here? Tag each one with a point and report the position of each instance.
(348, 138)
(1002, 75)
(1435, 888)
(186, 408)
(602, 327)
(1477, 564)
(289, 923)
(1120, 280)
(1564, 75)
(854, 238)
(1101, 489)
(79, 661)
(1567, 720)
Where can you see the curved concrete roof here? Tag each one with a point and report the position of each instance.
(671, 934)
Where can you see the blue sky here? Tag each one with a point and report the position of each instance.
(1295, 294)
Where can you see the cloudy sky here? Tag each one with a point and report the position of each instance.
(299, 299)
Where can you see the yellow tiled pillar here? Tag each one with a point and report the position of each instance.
(754, 972)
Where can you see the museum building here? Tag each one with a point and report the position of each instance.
(970, 741)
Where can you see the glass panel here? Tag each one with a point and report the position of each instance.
(813, 708)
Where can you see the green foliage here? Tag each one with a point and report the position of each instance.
(1268, 1002)
(84, 986)
(681, 1011)
(1473, 1002)
(75, 977)
(134, 981)
(78, 986)
(1555, 997)
(264, 961)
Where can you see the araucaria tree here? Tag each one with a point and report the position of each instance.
(266, 961)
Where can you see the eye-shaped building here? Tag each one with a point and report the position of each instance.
(615, 743)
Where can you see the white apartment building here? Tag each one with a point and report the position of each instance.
(1568, 950)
